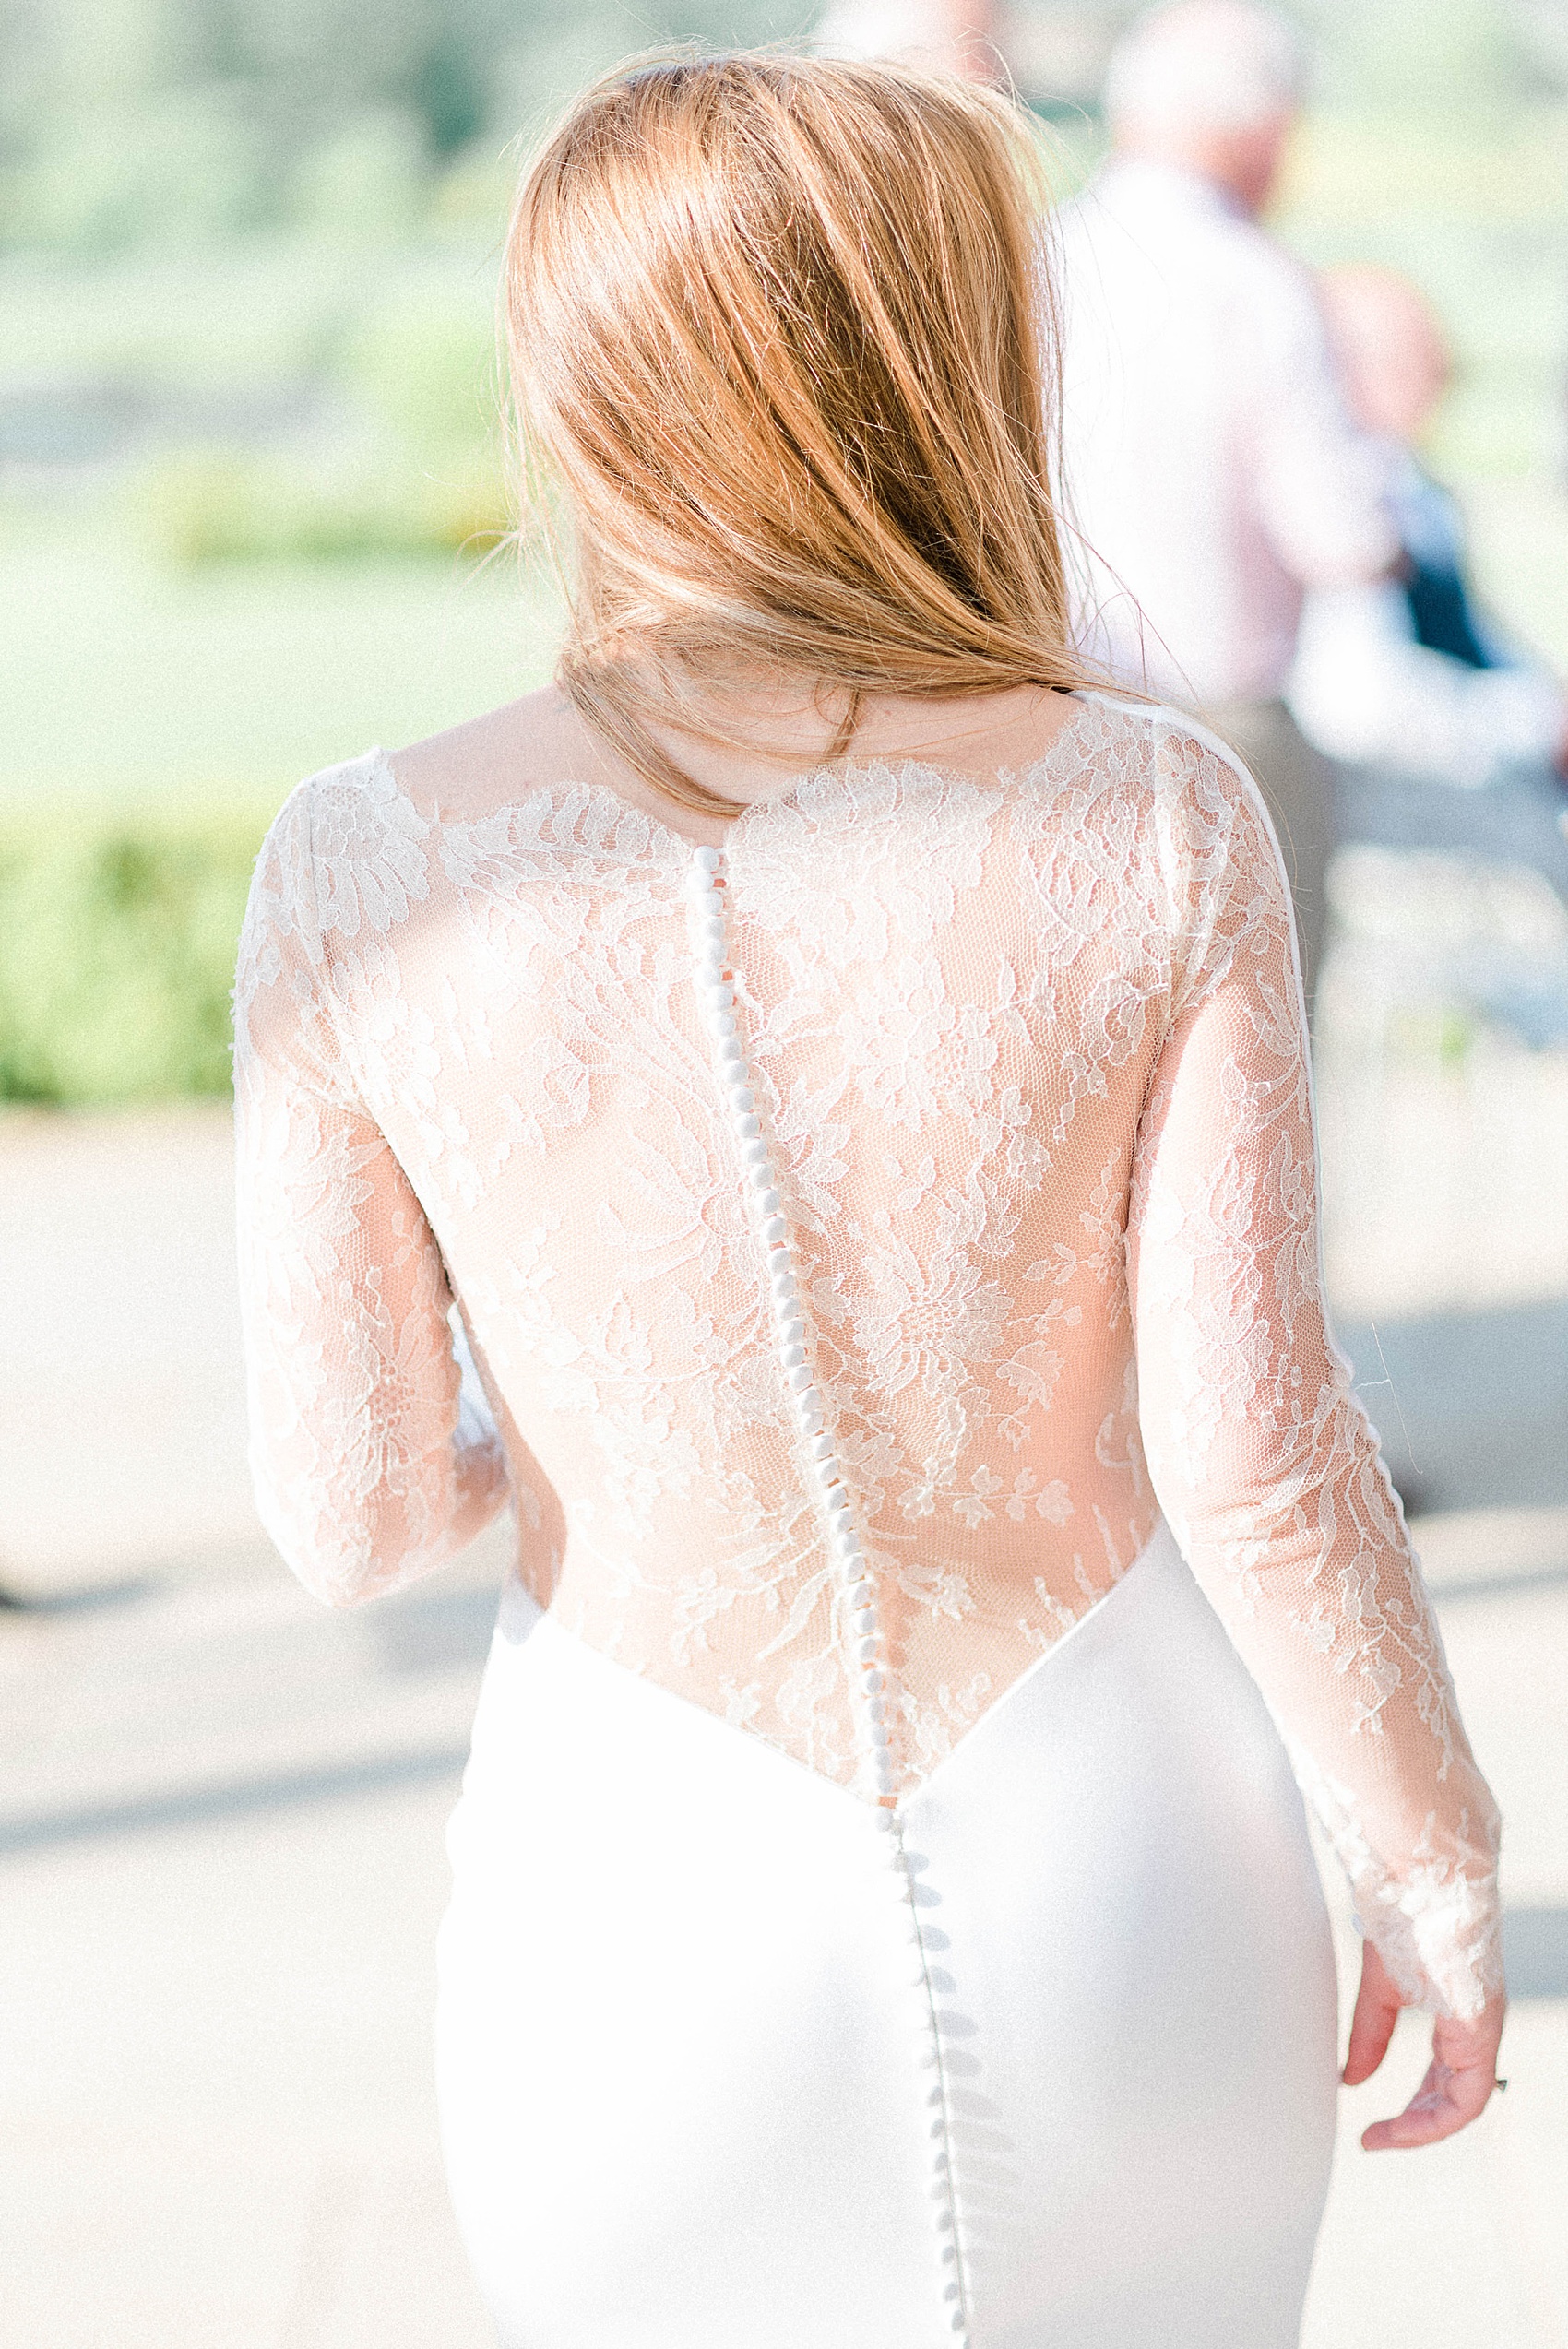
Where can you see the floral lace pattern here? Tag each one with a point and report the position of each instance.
(1031, 1058)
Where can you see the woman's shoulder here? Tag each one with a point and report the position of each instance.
(354, 844)
(468, 770)
(1163, 749)
(464, 771)
(1187, 797)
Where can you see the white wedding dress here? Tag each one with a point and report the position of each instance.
(883, 1913)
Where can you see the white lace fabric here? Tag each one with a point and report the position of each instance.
(1029, 1055)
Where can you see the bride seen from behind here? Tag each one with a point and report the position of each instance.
(851, 1074)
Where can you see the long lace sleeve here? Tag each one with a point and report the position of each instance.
(1260, 1453)
(368, 1468)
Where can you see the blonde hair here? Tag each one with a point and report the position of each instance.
(778, 328)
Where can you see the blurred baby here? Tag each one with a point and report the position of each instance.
(1405, 674)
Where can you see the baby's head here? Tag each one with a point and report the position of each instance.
(1392, 355)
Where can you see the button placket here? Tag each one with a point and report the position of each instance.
(859, 1608)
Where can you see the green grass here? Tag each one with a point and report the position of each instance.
(120, 676)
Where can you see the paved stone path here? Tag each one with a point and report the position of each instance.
(221, 1865)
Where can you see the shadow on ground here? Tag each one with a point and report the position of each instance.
(1535, 1952)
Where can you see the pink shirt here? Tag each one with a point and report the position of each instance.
(1212, 470)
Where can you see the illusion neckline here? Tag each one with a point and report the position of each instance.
(669, 842)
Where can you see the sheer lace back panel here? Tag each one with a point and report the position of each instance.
(1030, 1056)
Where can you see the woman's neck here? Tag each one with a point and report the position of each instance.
(749, 740)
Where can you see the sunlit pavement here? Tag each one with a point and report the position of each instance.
(222, 1865)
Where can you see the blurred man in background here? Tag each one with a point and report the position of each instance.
(1212, 473)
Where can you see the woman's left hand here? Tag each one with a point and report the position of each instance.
(1460, 2076)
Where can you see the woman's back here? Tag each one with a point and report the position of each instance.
(1026, 1076)
(952, 994)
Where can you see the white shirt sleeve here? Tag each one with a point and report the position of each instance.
(1318, 482)
(1364, 691)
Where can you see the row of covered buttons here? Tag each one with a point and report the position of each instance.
(716, 989)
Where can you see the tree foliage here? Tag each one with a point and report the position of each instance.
(125, 122)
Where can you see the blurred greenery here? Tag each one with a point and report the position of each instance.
(129, 122)
(247, 253)
(120, 674)
(250, 479)
(117, 939)
(224, 505)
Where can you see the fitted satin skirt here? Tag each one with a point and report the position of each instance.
(690, 2082)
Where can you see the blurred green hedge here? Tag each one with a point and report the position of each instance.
(225, 506)
(118, 931)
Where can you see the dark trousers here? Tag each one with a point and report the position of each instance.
(1298, 786)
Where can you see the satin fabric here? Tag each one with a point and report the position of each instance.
(686, 2067)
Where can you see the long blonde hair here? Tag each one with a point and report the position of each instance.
(778, 328)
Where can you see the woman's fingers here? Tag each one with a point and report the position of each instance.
(1445, 2101)
(1372, 2026)
(1459, 2078)
(1458, 2081)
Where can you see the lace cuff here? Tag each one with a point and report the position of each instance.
(1437, 1925)
(1441, 1944)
